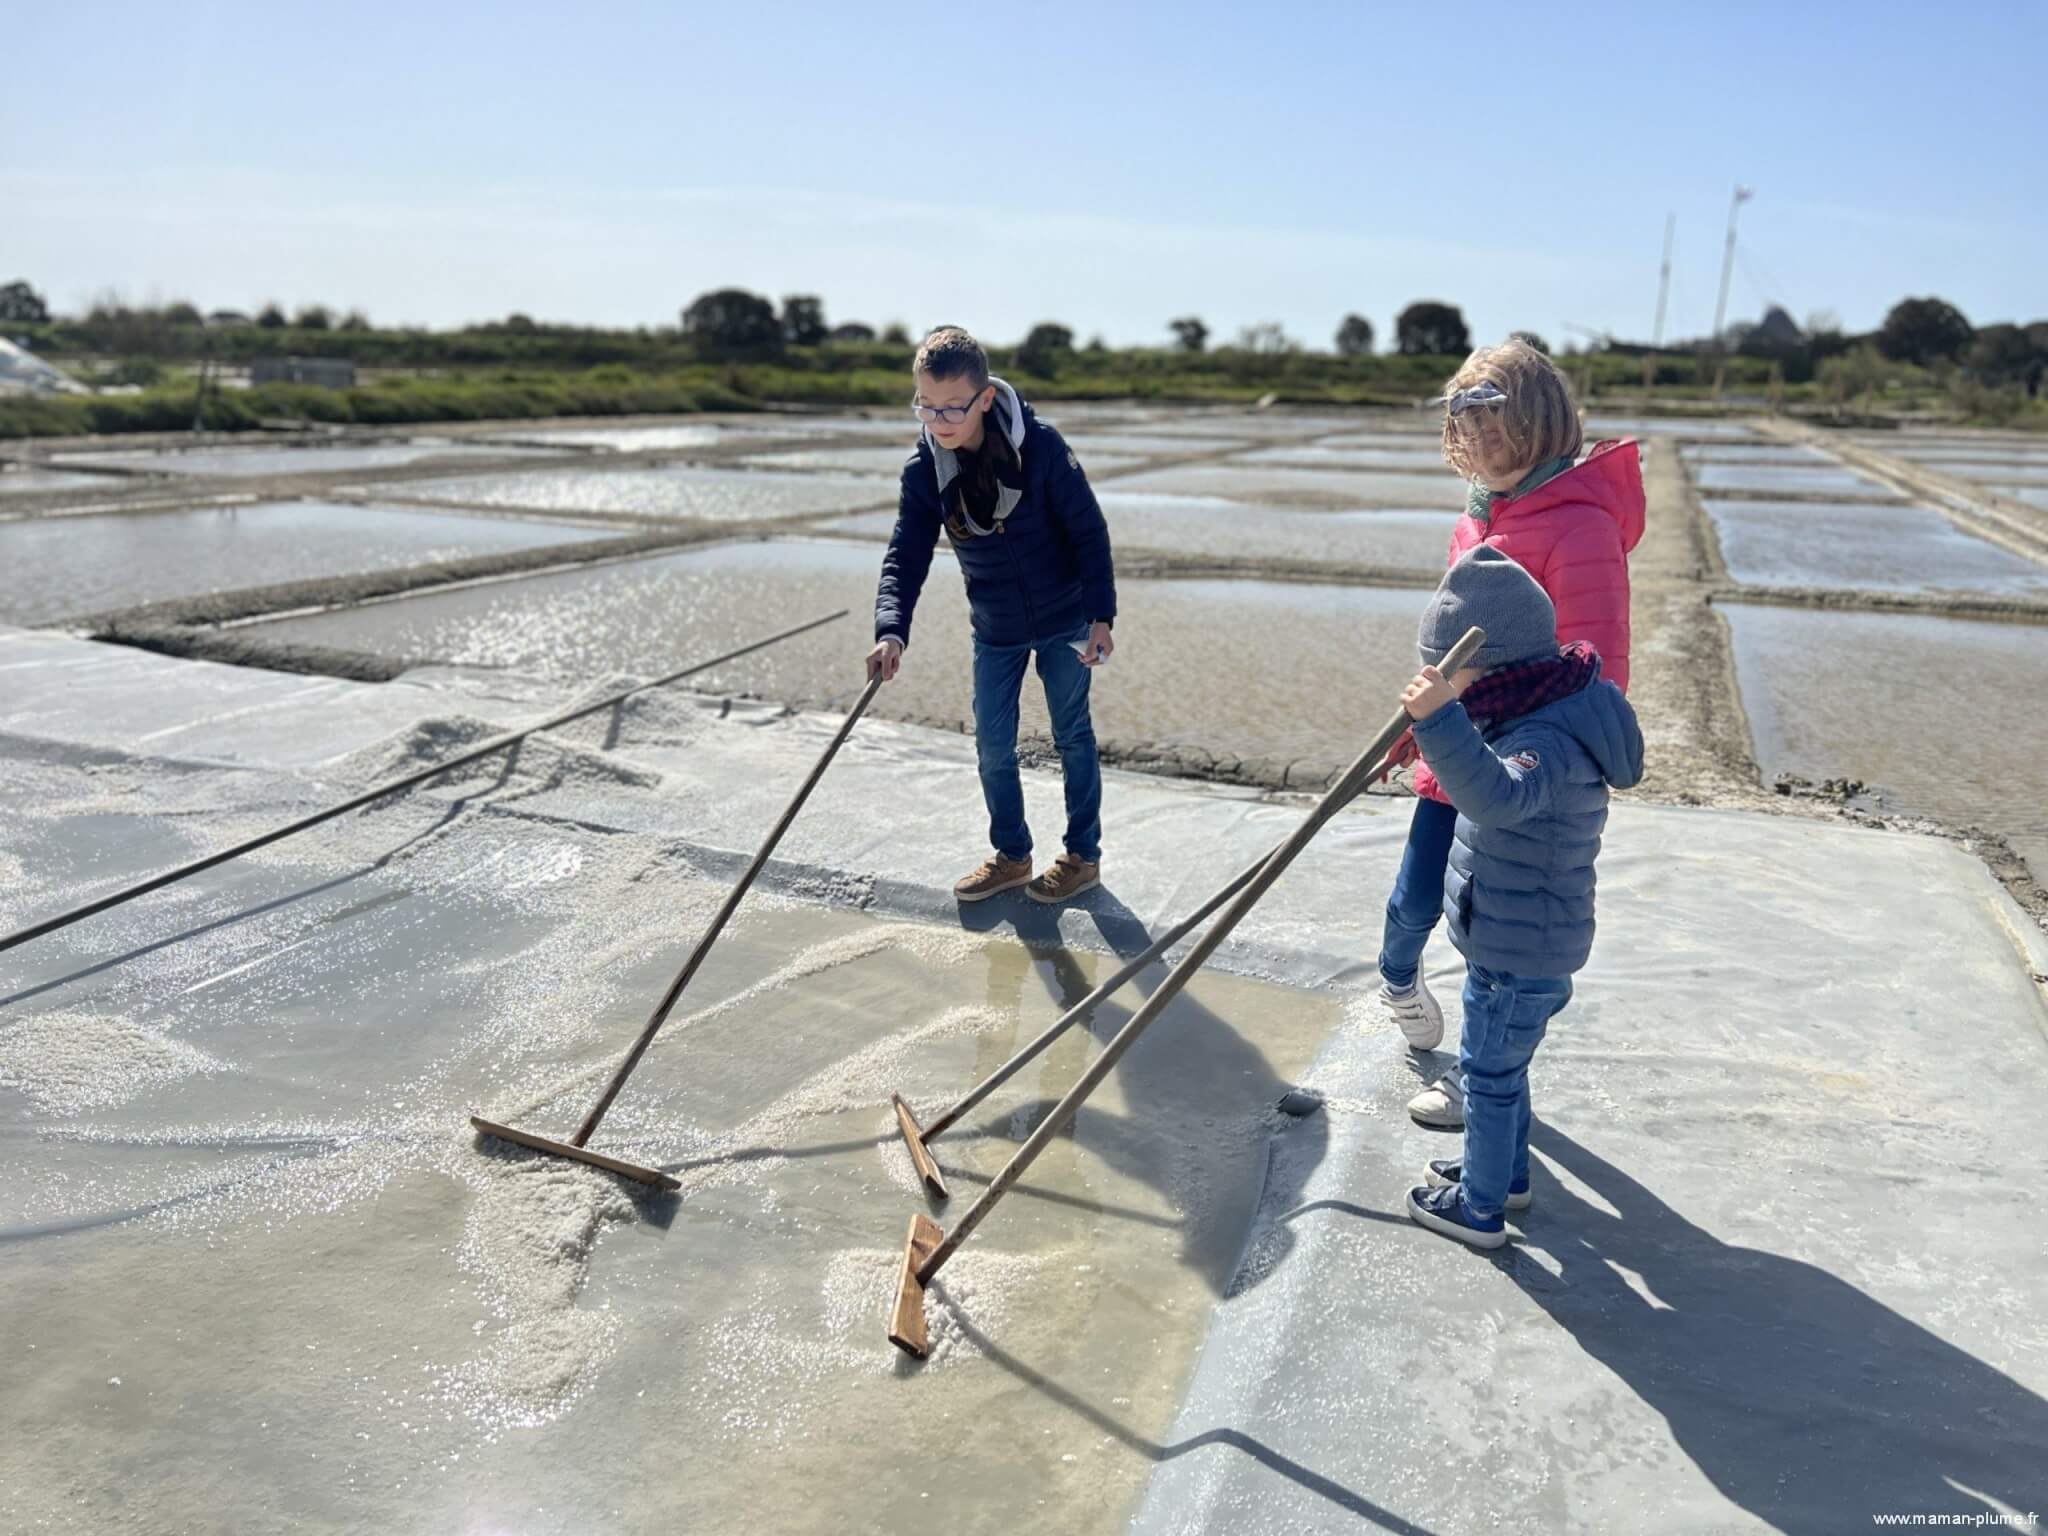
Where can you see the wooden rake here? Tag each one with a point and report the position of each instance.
(927, 1249)
(389, 787)
(577, 1146)
(919, 1138)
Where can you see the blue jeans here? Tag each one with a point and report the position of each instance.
(998, 683)
(1505, 1019)
(1418, 899)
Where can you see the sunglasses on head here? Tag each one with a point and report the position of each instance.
(1490, 395)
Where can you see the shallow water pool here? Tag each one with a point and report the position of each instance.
(718, 495)
(54, 568)
(1887, 548)
(1935, 714)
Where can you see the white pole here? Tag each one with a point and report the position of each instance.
(1664, 280)
(1742, 195)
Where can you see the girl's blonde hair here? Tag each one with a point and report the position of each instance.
(1540, 416)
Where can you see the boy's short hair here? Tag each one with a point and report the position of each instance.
(1541, 418)
(950, 353)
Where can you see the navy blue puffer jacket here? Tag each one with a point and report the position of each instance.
(1531, 803)
(1043, 573)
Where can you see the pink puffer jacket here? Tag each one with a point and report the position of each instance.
(1573, 534)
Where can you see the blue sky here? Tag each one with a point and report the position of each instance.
(995, 165)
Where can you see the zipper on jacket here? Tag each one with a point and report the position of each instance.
(1017, 575)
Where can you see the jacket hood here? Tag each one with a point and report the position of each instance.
(1610, 478)
(1602, 722)
(1010, 413)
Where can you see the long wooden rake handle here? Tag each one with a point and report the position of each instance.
(1355, 778)
(390, 787)
(1088, 1004)
(725, 911)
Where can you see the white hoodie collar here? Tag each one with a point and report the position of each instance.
(1009, 414)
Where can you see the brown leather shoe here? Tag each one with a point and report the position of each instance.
(1064, 879)
(996, 874)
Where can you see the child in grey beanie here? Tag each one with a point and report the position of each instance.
(1531, 792)
(1519, 621)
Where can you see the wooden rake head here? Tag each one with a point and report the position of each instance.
(906, 1319)
(650, 1176)
(913, 1138)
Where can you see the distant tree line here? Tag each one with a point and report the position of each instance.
(734, 325)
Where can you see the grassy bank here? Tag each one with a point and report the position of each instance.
(661, 379)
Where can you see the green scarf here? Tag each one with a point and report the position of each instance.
(1479, 501)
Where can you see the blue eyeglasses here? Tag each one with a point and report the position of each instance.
(951, 415)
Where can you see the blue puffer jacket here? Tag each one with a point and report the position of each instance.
(1531, 803)
(1042, 574)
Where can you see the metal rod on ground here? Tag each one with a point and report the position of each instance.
(495, 744)
(575, 1146)
(919, 1140)
(923, 1258)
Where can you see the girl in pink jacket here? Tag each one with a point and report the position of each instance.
(1512, 429)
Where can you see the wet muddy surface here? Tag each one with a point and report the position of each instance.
(1939, 717)
(1246, 668)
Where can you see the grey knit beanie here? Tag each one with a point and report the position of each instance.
(1487, 588)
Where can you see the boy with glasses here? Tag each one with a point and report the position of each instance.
(1034, 551)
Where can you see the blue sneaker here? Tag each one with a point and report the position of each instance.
(1445, 1171)
(1443, 1210)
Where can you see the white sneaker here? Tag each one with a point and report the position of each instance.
(1421, 1020)
(1441, 1104)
